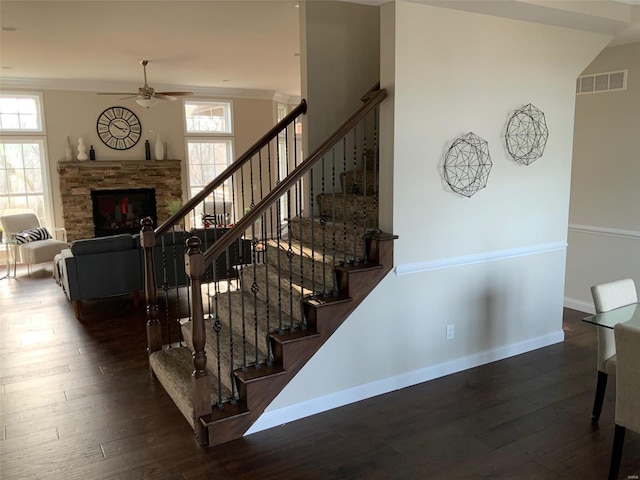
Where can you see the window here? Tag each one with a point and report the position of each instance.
(20, 113)
(208, 135)
(289, 155)
(24, 183)
(208, 117)
(207, 159)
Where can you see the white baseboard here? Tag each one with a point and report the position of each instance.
(579, 305)
(307, 408)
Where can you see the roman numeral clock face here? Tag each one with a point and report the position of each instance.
(119, 128)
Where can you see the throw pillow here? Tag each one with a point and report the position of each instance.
(32, 235)
(218, 219)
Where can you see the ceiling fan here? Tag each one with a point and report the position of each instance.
(147, 96)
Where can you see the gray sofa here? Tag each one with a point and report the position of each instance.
(100, 267)
(108, 266)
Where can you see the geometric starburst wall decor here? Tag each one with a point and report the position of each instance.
(526, 135)
(467, 164)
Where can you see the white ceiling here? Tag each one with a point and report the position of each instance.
(234, 44)
(208, 45)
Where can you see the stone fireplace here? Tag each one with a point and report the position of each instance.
(121, 210)
(79, 179)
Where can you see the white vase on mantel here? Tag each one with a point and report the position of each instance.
(159, 148)
(82, 150)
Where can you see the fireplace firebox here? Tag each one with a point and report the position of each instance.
(120, 211)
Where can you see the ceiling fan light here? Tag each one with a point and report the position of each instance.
(146, 102)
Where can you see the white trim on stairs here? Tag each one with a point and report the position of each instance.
(313, 406)
(417, 267)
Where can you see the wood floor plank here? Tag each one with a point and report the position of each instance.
(78, 402)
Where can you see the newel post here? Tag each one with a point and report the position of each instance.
(200, 382)
(154, 332)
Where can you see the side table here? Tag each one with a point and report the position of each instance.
(10, 257)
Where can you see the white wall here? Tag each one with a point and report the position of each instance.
(604, 225)
(74, 114)
(341, 57)
(453, 72)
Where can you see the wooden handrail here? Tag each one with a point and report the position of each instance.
(270, 198)
(372, 91)
(231, 169)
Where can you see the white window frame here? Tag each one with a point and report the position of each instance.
(228, 118)
(21, 136)
(203, 136)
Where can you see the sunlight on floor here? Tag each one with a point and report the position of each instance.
(37, 336)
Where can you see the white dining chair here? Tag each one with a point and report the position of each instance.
(607, 296)
(627, 340)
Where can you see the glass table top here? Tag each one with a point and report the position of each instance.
(629, 315)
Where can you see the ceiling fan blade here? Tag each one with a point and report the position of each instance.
(175, 94)
(162, 96)
(116, 93)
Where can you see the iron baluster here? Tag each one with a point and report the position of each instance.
(344, 207)
(354, 191)
(333, 218)
(165, 288)
(233, 399)
(365, 193)
(265, 260)
(217, 326)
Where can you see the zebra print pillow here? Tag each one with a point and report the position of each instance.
(209, 219)
(32, 235)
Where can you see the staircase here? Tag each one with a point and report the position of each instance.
(244, 339)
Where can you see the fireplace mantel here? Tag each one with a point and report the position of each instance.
(78, 179)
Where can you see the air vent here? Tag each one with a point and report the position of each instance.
(602, 82)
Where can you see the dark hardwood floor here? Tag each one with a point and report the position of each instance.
(78, 403)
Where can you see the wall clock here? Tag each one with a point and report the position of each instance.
(119, 128)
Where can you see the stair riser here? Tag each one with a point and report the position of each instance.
(315, 276)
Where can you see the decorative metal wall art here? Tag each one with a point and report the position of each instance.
(526, 135)
(467, 164)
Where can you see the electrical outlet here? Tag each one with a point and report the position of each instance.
(450, 332)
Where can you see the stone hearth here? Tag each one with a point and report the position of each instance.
(78, 179)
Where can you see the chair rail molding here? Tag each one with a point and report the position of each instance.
(482, 257)
(611, 232)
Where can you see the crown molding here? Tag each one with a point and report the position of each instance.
(98, 86)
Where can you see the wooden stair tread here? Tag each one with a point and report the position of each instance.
(253, 374)
(295, 336)
(359, 267)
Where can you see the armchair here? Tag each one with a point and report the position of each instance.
(33, 243)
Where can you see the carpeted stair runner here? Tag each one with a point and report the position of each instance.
(340, 237)
(239, 346)
(173, 368)
(271, 293)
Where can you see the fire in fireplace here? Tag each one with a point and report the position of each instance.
(120, 211)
